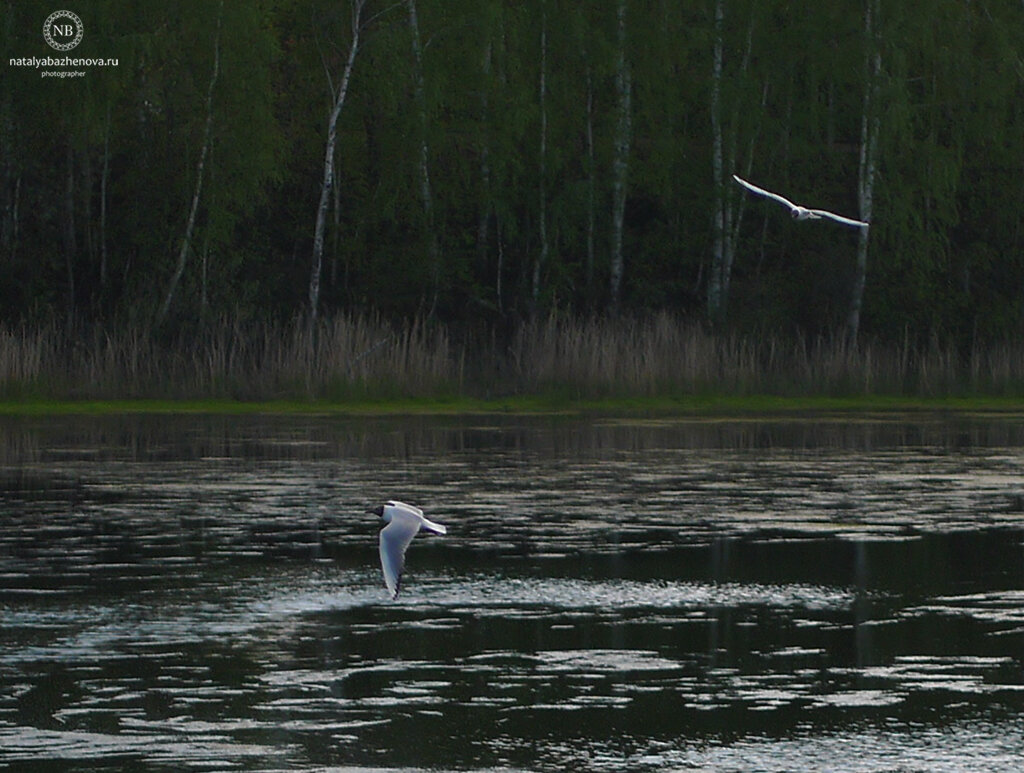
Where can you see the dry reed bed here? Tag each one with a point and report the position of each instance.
(362, 355)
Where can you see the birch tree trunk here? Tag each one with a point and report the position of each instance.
(542, 211)
(328, 177)
(426, 195)
(728, 211)
(186, 242)
(620, 164)
(868, 163)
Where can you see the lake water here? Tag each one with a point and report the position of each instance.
(204, 593)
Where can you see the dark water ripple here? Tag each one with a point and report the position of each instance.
(202, 594)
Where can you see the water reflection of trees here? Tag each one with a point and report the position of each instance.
(153, 437)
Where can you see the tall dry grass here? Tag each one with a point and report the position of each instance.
(362, 355)
(351, 355)
(664, 354)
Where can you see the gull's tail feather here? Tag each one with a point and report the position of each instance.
(437, 528)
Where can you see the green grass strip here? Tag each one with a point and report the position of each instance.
(681, 405)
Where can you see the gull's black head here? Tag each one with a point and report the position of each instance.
(378, 511)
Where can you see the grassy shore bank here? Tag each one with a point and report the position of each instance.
(362, 364)
(690, 407)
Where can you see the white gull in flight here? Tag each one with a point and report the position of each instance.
(798, 212)
(403, 522)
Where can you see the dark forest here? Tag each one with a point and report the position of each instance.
(484, 164)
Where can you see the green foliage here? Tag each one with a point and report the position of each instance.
(97, 173)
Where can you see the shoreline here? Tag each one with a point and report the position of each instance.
(683, 406)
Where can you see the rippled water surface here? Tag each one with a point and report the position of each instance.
(204, 594)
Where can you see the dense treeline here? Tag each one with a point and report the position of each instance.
(496, 159)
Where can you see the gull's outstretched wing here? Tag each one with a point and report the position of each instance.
(394, 539)
(425, 522)
(839, 218)
(403, 506)
(762, 192)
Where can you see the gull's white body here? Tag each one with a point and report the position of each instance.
(403, 522)
(798, 212)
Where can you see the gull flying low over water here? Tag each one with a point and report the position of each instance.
(403, 522)
(798, 212)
